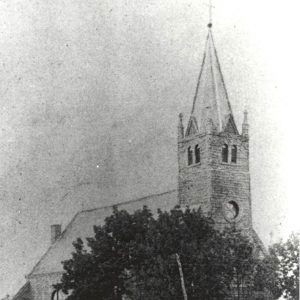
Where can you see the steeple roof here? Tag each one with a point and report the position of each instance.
(211, 103)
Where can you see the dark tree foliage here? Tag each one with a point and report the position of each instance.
(135, 255)
(190, 235)
(242, 261)
(280, 269)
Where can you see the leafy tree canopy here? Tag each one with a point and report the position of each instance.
(281, 268)
(135, 255)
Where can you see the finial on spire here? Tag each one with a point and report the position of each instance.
(180, 127)
(245, 126)
(210, 6)
(180, 117)
(246, 116)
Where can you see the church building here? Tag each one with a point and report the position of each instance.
(213, 173)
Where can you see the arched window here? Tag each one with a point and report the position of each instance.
(55, 295)
(225, 153)
(234, 154)
(197, 154)
(190, 156)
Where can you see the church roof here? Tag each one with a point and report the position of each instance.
(81, 226)
(211, 99)
(24, 293)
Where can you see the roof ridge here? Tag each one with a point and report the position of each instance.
(125, 202)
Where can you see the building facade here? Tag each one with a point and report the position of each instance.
(213, 173)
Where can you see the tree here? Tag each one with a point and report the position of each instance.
(100, 273)
(281, 272)
(191, 236)
(243, 262)
(147, 257)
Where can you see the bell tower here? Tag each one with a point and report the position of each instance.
(213, 157)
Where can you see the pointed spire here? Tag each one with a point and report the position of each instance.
(211, 98)
(180, 127)
(245, 126)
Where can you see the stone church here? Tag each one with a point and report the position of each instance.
(213, 173)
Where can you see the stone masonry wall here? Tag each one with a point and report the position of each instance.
(194, 180)
(211, 184)
(230, 181)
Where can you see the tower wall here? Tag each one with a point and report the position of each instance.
(214, 185)
(194, 181)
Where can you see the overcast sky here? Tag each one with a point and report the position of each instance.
(73, 73)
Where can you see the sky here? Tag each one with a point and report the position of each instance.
(90, 88)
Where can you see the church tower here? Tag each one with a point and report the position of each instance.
(213, 157)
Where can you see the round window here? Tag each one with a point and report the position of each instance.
(231, 210)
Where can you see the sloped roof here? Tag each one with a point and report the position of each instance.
(257, 241)
(211, 98)
(24, 293)
(82, 226)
